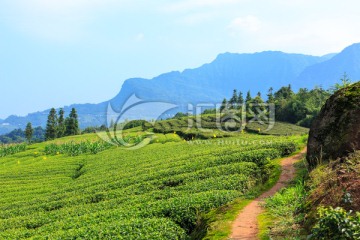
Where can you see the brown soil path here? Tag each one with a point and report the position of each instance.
(246, 225)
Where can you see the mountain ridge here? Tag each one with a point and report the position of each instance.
(211, 82)
(329, 72)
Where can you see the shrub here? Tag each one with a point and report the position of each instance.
(75, 149)
(336, 224)
(11, 149)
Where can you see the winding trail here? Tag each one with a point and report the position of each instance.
(245, 225)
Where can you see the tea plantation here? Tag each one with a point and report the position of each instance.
(156, 192)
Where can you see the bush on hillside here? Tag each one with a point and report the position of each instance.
(336, 224)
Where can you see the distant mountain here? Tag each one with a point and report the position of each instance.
(329, 72)
(214, 81)
(89, 115)
(18, 136)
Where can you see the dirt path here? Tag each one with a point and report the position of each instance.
(246, 225)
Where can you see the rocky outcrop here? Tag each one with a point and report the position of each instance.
(336, 131)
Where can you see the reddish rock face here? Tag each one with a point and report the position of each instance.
(336, 131)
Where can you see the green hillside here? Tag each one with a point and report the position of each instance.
(156, 192)
(206, 125)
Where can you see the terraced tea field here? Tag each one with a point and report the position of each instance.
(156, 192)
(189, 127)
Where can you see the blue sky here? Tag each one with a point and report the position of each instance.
(58, 52)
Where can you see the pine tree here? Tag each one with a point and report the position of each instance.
(270, 96)
(259, 94)
(248, 97)
(72, 124)
(283, 93)
(233, 100)
(61, 124)
(29, 132)
(51, 126)
(240, 99)
(223, 105)
(345, 82)
(257, 102)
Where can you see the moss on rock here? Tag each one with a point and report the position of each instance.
(336, 131)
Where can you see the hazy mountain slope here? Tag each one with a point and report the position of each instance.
(89, 115)
(329, 72)
(208, 83)
(214, 81)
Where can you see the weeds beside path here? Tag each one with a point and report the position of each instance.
(246, 224)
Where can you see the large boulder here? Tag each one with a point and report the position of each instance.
(336, 131)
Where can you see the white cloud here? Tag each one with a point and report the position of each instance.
(311, 35)
(263, 24)
(316, 36)
(249, 23)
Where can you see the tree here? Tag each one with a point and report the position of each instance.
(257, 103)
(233, 100)
(61, 124)
(72, 124)
(298, 108)
(270, 96)
(51, 126)
(29, 132)
(240, 99)
(180, 115)
(284, 93)
(344, 82)
(248, 97)
(223, 105)
(258, 94)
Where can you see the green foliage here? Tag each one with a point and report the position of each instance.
(61, 124)
(248, 97)
(285, 211)
(227, 127)
(6, 150)
(302, 107)
(51, 126)
(270, 95)
(102, 128)
(282, 207)
(284, 93)
(18, 136)
(29, 132)
(336, 224)
(75, 149)
(133, 124)
(279, 128)
(180, 115)
(240, 99)
(233, 100)
(344, 82)
(224, 105)
(165, 138)
(255, 103)
(156, 192)
(296, 108)
(209, 111)
(72, 124)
